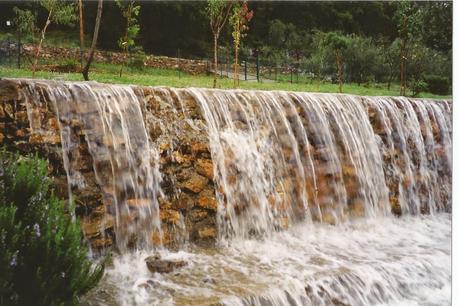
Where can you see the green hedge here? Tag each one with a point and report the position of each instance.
(437, 84)
(43, 260)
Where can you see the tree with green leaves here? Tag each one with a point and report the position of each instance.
(25, 21)
(239, 20)
(43, 259)
(408, 17)
(130, 11)
(338, 43)
(218, 12)
(59, 12)
(85, 67)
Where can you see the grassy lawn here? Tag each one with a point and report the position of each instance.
(109, 73)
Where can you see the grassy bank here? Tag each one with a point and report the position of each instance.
(108, 73)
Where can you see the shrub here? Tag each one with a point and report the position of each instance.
(138, 60)
(42, 258)
(437, 84)
(417, 86)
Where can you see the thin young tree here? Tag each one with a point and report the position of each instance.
(239, 20)
(59, 12)
(218, 12)
(408, 17)
(337, 43)
(130, 11)
(85, 67)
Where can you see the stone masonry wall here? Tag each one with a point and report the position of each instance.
(189, 207)
(176, 126)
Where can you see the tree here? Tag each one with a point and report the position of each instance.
(239, 20)
(85, 67)
(25, 21)
(408, 17)
(389, 51)
(218, 12)
(130, 11)
(59, 12)
(338, 44)
(363, 59)
(43, 260)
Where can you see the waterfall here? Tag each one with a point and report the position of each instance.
(110, 120)
(301, 189)
(281, 156)
(278, 157)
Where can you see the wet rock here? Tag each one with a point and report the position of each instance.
(205, 168)
(199, 147)
(207, 233)
(208, 202)
(170, 216)
(196, 183)
(157, 265)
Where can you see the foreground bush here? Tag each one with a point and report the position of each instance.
(42, 258)
(437, 84)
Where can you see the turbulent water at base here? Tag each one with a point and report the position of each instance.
(380, 261)
(306, 185)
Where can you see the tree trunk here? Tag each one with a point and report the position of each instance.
(125, 48)
(215, 59)
(85, 71)
(236, 66)
(43, 32)
(402, 69)
(339, 68)
(80, 7)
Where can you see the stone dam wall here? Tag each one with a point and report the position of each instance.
(191, 190)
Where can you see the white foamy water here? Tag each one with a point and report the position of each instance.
(385, 261)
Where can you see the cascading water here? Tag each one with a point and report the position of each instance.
(124, 162)
(305, 185)
(283, 156)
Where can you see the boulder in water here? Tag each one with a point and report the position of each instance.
(157, 265)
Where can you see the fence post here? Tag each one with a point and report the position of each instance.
(178, 58)
(258, 68)
(291, 74)
(245, 70)
(19, 49)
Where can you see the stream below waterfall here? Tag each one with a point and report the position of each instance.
(381, 261)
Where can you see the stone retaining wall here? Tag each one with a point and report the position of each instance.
(188, 208)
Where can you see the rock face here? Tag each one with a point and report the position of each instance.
(302, 158)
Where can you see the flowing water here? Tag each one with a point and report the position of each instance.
(381, 261)
(305, 185)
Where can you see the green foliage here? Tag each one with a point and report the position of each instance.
(437, 84)
(25, 21)
(130, 11)
(216, 10)
(363, 59)
(335, 41)
(42, 258)
(417, 86)
(408, 18)
(61, 11)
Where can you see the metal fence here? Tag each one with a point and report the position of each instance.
(257, 69)
(11, 53)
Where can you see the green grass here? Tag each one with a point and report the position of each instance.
(109, 73)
